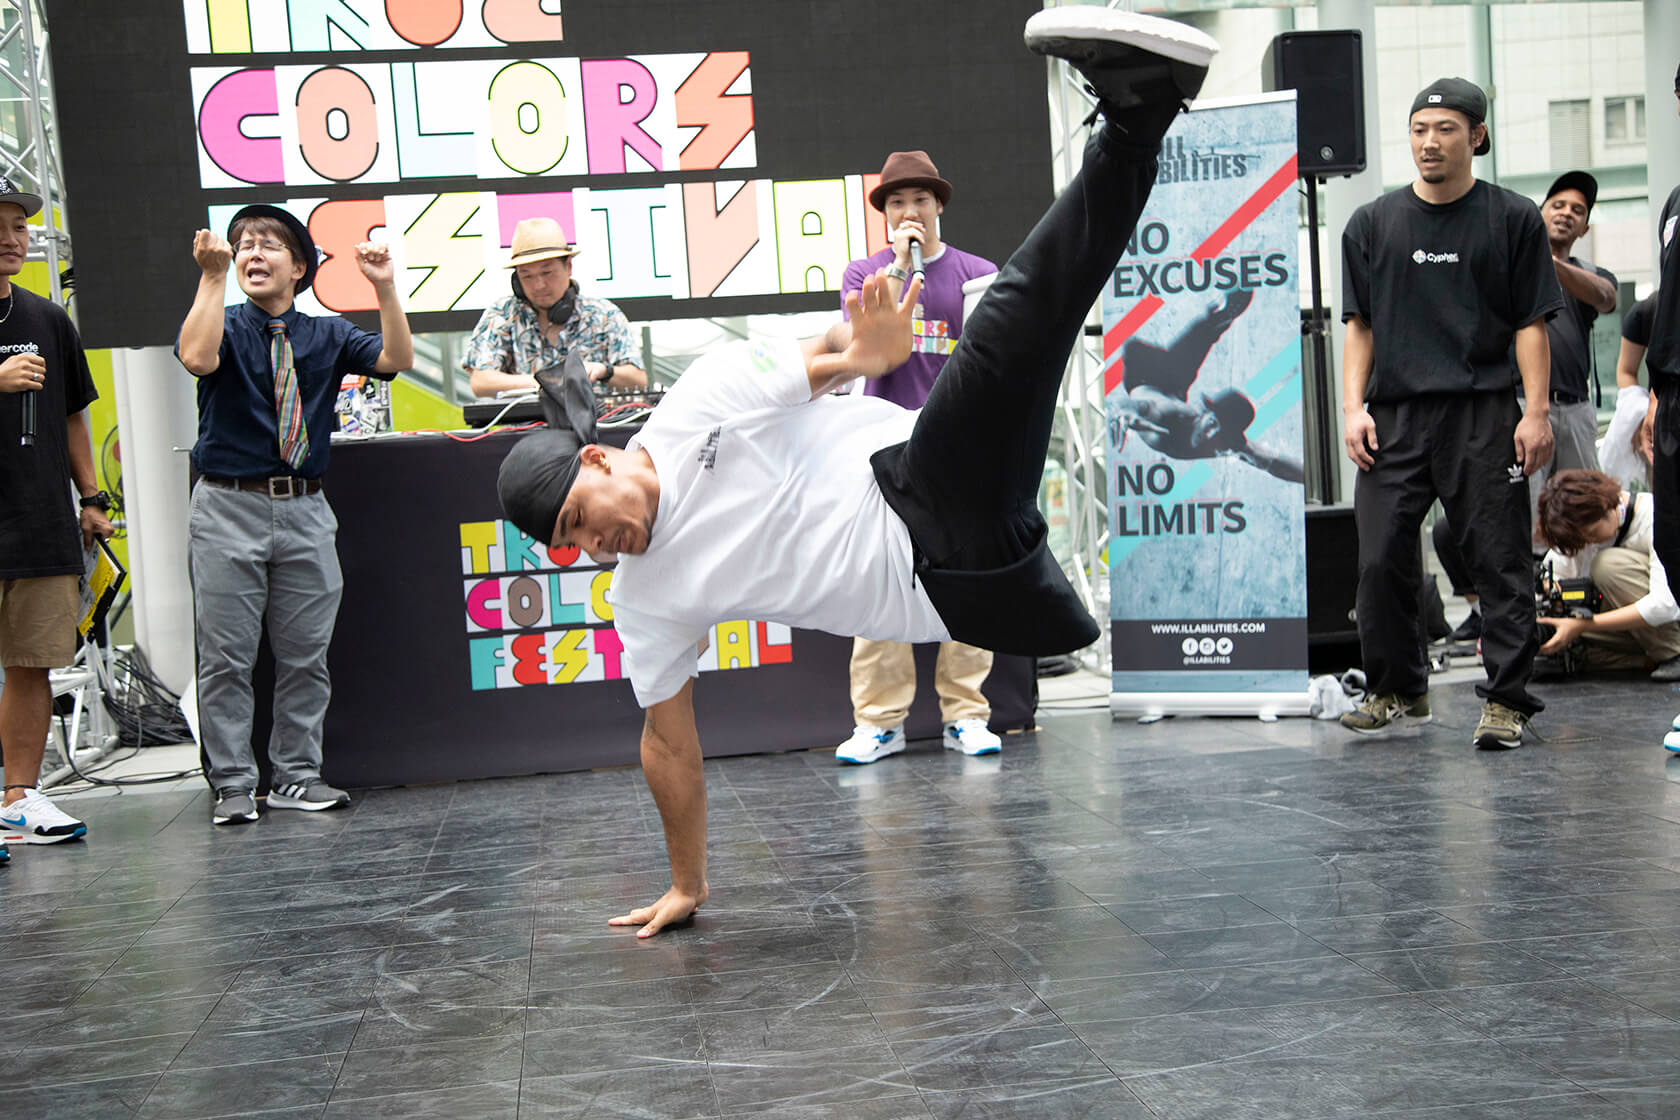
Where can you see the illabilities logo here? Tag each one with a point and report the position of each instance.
(1181, 164)
(540, 615)
(1421, 257)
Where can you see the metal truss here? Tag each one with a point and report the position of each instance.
(29, 154)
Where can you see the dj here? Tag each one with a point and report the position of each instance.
(752, 493)
(545, 319)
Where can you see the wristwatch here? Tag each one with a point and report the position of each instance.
(101, 499)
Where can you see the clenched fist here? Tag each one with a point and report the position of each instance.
(212, 253)
(374, 260)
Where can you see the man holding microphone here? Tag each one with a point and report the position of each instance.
(45, 448)
(912, 197)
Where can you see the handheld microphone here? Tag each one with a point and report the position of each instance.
(915, 257)
(28, 439)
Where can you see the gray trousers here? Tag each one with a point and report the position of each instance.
(1574, 448)
(254, 557)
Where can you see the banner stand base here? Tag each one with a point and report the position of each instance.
(1151, 706)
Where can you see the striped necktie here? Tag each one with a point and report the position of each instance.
(294, 438)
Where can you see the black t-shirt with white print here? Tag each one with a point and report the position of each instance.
(40, 526)
(1445, 288)
(1663, 358)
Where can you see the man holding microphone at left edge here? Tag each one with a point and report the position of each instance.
(45, 448)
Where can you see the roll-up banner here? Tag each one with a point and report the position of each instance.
(1202, 376)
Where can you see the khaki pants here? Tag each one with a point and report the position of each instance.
(884, 682)
(1623, 576)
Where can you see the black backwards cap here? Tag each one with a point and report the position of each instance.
(1456, 93)
(538, 473)
(1576, 181)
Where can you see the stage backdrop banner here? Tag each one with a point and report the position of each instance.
(1202, 373)
(710, 157)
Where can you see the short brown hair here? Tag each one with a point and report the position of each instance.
(260, 225)
(1572, 500)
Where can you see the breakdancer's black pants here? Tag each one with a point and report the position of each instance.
(1456, 446)
(966, 482)
(1665, 481)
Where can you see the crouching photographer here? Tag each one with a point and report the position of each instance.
(1599, 532)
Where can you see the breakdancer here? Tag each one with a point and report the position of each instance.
(1157, 380)
(751, 493)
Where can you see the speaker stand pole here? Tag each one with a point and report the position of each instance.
(1318, 329)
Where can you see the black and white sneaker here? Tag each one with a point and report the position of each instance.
(311, 796)
(1141, 69)
(234, 806)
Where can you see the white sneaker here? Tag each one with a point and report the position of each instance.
(35, 820)
(870, 744)
(971, 736)
(1672, 741)
(1676, 725)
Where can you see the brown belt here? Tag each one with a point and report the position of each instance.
(284, 486)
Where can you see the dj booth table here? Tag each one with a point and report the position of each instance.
(404, 707)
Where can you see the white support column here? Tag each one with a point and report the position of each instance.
(1343, 196)
(1662, 125)
(156, 413)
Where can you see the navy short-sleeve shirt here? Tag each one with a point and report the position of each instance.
(237, 422)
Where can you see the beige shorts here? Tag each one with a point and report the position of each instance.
(38, 622)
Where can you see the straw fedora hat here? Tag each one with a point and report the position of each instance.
(539, 239)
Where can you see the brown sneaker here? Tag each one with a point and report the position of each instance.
(1388, 709)
(1500, 728)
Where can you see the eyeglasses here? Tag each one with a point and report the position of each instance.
(245, 248)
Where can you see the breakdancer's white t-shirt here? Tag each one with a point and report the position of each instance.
(768, 510)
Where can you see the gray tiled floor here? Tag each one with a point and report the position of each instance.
(1215, 918)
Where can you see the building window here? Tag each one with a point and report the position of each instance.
(1570, 133)
(1624, 120)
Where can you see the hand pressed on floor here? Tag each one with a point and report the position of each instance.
(673, 908)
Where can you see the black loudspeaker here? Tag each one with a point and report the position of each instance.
(1326, 71)
(1332, 574)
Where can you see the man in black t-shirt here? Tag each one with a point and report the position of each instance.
(1662, 360)
(1444, 282)
(45, 387)
(1588, 292)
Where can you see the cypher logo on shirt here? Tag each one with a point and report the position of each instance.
(1421, 257)
(708, 453)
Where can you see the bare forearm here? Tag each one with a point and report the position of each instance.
(398, 352)
(201, 332)
(1534, 363)
(1587, 286)
(1356, 364)
(81, 455)
(671, 765)
(1627, 364)
(628, 375)
(489, 382)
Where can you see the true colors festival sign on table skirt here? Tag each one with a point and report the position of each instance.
(1202, 378)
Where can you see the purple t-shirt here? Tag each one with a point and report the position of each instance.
(938, 320)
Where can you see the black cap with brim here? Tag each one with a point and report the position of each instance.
(31, 203)
(1576, 181)
(1463, 96)
(311, 255)
(535, 478)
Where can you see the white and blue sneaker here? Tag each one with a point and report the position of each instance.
(971, 736)
(1672, 739)
(35, 820)
(870, 744)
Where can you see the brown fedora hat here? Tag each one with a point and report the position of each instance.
(909, 169)
(538, 239)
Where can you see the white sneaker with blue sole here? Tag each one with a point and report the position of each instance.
(971, 736)
(870, 744)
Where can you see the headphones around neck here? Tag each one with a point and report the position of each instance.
(561, 310)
